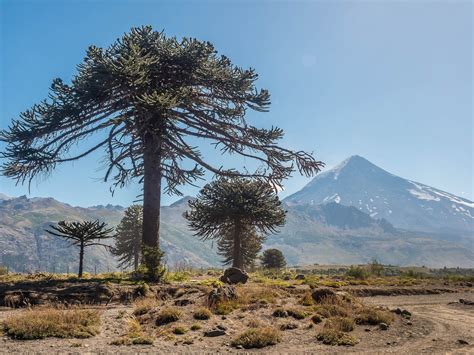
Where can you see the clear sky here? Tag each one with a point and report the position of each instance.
(387, 80)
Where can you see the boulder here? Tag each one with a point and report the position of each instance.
(214, 333)
(221, 294)
(320, 294)
(234, 276)
(383, 326)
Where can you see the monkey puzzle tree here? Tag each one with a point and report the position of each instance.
(242, 207)
(251, 244)
(82, 234)
(128, 237)
(144, 100)
(273, 259)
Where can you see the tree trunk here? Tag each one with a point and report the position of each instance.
(81, 259)
(136, 258)
(151, 192)
(238, 260)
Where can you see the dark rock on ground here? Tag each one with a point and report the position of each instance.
(383, 326)
(280, 313)
(214, 333)
(183, 302)
(466, 302)
(234, 276)
(463, 342)
(300, 277)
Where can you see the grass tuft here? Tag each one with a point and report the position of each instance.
(372, 316)
(51, 322)
(330, 336)
(257, 338)
(168, 315)
(202, 314)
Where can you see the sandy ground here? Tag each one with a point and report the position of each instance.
(437, 325)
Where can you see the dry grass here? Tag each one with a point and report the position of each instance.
(330, 336)
(41, 323)
(134, 335)
(179, 330)
(144, 305)
(257, 338)
(373, 316)
(168, 315)
(202, 314)
(297, 313)
(307, 299)
(343, 324)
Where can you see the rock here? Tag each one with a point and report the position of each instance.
(239, 347)
(220, 294)
(462, 342)
(466, 302)
(468, 284)
(406, 314)
(214, 333)
(383, 326)
(286, 277)
(396, 311)
(367, 329)
(409, 323)
(221, 327)
(320, 294)
(234, 276)
(288, 326)
(183, 302)
(281, 313)
(300, 277)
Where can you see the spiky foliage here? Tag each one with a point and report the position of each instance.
(251, 246)
(237, 212)
(82, 234)
(143, 101)
(128, 238)
(273, 259)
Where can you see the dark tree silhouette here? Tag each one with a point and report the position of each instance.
(82, 234)
(128, 238)
(251, 246)
(235, 209)
(273, 259)
(144, 100)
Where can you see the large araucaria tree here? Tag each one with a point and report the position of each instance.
(245, 209)
(143, 101)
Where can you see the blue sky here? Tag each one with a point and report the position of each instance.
(387, 80)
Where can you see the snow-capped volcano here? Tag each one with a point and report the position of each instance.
(405, 203)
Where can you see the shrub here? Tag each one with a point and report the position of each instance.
(51, 322)
(357, 272)
(168, 315)
(273, 259)
(372, 316)
(343, 324)
(179, 330)
(195, 327)
(331, 336)
(257, 338)
(296, 313)
(202, 314)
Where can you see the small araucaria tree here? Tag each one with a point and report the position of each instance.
(128, 238)
(82, 234)
(239, 213)
(144, 100)
(273, 259)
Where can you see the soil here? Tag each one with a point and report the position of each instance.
(439, 324)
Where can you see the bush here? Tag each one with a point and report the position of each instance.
(296, 313)
(343, 324)
(357, 273)
(331, 336)
(202, 314)
(168, 315)
(257, 338)
(372, 316)
(52, 322)
(195, 327)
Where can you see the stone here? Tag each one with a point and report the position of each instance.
(319, 294)
(221, 294)
(286, 277)
(221, 327)
(234, 276)
(383, 326)
(406, 314)
(300, 277)
(280, 313)
(409, 323)
(463, 342)
(214, 333)
(466, 302)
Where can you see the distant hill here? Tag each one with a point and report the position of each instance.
(406, 204)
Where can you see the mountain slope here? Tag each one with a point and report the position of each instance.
(406, 204)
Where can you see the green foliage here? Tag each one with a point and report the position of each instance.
(357, 272)
(273, 259)
(239, 213)
(128, 238)
(152, 267)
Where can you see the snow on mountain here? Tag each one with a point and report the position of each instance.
(405, 203)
